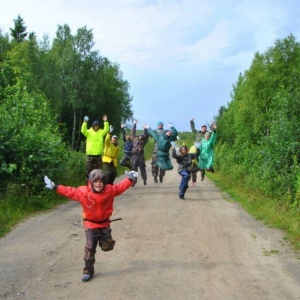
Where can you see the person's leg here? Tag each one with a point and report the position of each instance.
(110, 172)
(202, 174)
(162, 173)
(89, 253)
(154, 167)
(113, 172)
(183, 184)
(142, 166)
(97, 162)
(125, 162)
(106, 241)
(134, 162)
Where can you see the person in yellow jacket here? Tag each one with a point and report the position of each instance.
(94, 143)
(110, 157)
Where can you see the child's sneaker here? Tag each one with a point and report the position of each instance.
(86, 277)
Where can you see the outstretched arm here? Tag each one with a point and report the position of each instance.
(192, 122)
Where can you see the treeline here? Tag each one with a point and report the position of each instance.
(259, 132)
(46, 88)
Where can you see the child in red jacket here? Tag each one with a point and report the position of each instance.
(97, 200)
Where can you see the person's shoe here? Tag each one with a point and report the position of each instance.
(86, 277)
(160, 178)
(145, 181)
(181, 197)
(155, 179)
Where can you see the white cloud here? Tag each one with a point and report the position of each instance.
(169, 50)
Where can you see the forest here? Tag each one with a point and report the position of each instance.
(46, 88)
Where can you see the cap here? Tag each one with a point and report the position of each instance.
(95, 123)
(114, 137)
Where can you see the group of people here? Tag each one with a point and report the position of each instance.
(199, 158)
(102, 150)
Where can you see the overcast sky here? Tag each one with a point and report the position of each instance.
(180, 57)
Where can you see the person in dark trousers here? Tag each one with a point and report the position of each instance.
(97, 200)
(138, 157)
(156, 170)
(128, 144)
(184, 160)
(94, 144)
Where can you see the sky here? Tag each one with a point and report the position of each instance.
(180, 57)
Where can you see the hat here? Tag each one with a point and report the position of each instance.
(97, 174)
(160, 123)
(96, 123)
(114, 137)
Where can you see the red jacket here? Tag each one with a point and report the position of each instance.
(96, 206)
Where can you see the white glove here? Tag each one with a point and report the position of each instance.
(132, 175)
(170, 125)
(111, 128)
(147, 126)
(197, 144)
(177, 137)
(173, 145)
(86, 118)
(49, 184)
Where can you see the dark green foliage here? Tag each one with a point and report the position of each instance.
(45, 90)
(19, 31)
(259, 133)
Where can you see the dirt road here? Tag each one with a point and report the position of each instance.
(204, 247)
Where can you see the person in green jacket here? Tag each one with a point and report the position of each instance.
(164, 145)
(199, 136)
(206, 157)
(94, 143)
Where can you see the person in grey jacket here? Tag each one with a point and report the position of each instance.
(184, 160)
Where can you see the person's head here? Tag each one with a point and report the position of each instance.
(207, 135)
(114, 139)
(96, 125)
(128, 138)
(203, 128)
(97, 179)
(183, 150)
(160, 125)
(167, 133)
(141, 137)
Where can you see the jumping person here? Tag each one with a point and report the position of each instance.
(184, 160)
(110, 156)
(156, 170)
(164, 145)
(199, 136)
(206, 157)
(138, 157)
(97, 199)
(94, 144)
(128, 144)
